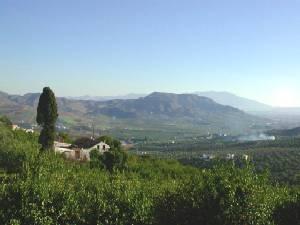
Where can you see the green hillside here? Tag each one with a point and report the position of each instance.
(43, 188)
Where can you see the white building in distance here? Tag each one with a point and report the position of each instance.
(79, 154)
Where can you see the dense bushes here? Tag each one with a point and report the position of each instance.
(74, 194)
(16, 148)
(288, 212)
(45, 189)
(224, 195)
(114, 159)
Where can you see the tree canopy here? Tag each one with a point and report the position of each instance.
(46, 117)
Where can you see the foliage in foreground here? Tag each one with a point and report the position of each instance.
(42, 188)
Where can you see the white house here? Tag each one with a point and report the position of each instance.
(101, 146)
(79, 154)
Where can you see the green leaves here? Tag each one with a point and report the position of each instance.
(47, 108)
(42, 188)
(114, 159)
(223, 195)
(46, 117)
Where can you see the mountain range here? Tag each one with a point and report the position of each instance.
(286, 114)
(179, 111)
(106, 98)
(224, 98)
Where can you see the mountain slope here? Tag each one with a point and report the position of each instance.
(165, 104)
(227, 98)
(155, 111)
(107, 98)
(224, 98)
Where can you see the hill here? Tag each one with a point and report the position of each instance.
(157, 111)
(166, 105)
(224, 98)
(107, 98)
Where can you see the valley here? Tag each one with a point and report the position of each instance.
(159, 116)
(178, 126)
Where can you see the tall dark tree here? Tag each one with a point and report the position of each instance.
(46, 117)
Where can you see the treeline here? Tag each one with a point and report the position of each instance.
(42, 188)
(218, 145)
(282, 163)
(281, 157)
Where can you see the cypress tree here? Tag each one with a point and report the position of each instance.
(46, 117)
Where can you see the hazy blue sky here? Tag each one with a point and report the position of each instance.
(248, 47)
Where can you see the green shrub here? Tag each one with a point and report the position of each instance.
(224, 195)
(43, 188)
(288, 212)
(113, 159)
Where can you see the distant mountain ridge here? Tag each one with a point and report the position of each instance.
(224, 98)
(107, 98)
(165, 104)
(242, 103)
(163, 108)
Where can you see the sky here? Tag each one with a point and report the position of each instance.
(114, 47)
